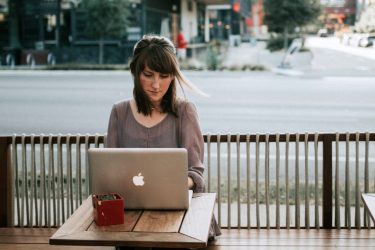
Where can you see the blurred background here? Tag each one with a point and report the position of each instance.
(48, 32)
(268, 65)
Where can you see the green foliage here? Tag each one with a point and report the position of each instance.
(213, 56)
(106, 18)
(281, 14)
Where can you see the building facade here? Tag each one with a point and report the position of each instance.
(58, 26)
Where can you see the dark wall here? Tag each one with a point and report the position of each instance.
(90, 54)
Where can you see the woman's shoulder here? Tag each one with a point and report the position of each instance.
(185, 106)
(121, 104)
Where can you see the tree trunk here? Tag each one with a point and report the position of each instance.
(285, 38)
(101, 50)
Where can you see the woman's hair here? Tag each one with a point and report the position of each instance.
(158, 54)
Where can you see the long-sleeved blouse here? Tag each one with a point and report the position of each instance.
(183, 131)
(124, 131)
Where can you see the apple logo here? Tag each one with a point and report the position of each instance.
(138, 180)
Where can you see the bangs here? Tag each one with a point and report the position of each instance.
(156, 58)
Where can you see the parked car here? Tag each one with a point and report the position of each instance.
(322, 33)
(367, 41)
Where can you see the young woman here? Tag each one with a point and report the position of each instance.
(155, 117)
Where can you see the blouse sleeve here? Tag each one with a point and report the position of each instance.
(192, 140)
(112, 132)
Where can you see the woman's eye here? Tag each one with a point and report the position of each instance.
(146, 74)
(164, 76)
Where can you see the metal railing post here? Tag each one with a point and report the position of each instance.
(327, 181)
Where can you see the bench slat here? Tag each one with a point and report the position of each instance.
(37, 239)
(28, 246)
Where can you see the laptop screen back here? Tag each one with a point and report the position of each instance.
(147, 178)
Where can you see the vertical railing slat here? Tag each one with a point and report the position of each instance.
(16, 179)
(238, 181)
(87, 146)
(25, 193)
(278, 181)
(297, 196)
(287, 218)
(267, 179)
(78, 172)
(316, 137)
(366, 217)
(357, 192)
(51, 184)
(208, 144)
(42, 189)
(70, 197)
(218, 179)
(32, 178)
(337, 185)
(257, 179)
(229, 205)
(248, 176)
(61, 179)
(347, 184)
(307, 188)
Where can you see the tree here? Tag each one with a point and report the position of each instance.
(105, 18)
(366, 22)
(283, 16)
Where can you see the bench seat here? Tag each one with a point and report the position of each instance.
(38, 238)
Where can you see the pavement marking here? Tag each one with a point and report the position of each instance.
(349, 78)
(287, 72)
(364, 68)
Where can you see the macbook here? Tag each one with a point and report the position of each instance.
(147, 178)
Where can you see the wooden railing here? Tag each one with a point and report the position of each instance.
(43, 178)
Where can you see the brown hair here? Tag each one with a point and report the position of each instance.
(159, 54)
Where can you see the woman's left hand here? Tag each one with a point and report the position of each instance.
(190, 183)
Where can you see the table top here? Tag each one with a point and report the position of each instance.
(142, 228)
(369, 201)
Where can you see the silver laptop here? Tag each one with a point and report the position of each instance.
(147, 178)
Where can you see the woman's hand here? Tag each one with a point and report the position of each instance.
(190, 183)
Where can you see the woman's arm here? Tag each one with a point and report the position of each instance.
(192, 140)
(112, 131)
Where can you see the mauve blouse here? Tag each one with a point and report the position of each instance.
(124, 131)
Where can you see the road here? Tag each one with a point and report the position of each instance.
(245, 102)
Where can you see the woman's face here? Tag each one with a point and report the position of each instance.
(155, 84)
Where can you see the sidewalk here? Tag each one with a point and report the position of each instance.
(247, 54)
(334, 44)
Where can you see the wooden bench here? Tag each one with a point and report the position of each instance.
(38, 239)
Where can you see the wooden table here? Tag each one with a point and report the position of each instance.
(369, 201)
(177, 229)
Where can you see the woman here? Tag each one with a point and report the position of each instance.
(156, 118)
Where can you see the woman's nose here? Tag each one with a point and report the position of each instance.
(156, 82)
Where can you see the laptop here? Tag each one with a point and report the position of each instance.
(147, 178)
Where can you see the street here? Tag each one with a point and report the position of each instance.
(335, 93)
(244, 102)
